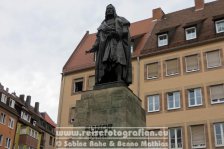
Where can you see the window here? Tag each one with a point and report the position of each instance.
(198, 136)
(78, 85)
(173, 100)
(192, 63)
(91, 82)
(194, 97)
(33, 133)
(213, 59)
(25, 116)
(36, 134)
(152, 70)
(2, 118)
(34, 123)
(175, 138)
(217, 94)
(162, 40)
(30, 132)
(23, 130)
(50, 140)
(219, 26)
(11, 123)
(172, 67)
(219, 134)
(190, 33)
(8, 143)
(12, 103)
(1, 138)
(153, 103)
(4, 98)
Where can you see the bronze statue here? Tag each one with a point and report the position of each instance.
(112, 47)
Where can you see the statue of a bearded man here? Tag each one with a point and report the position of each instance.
(112, 47)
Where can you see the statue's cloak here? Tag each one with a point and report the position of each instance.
(117, 50)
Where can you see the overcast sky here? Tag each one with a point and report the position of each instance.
(38, 36)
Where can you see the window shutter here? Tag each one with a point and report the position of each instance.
(198, 136)
(91, 82)
(172, 67)
(152, 70)
(217, 92)
(213, 59)
(192, 63)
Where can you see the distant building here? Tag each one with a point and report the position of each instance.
(28, 134)
(48, 134)
(8, 119)
(26, 127)
(178, 69)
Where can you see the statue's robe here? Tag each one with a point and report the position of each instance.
(113, 50)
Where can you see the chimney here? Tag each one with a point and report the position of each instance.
(21, 97)
(36, 108)
(28, 100)
(1, 86)
(7, 89)
(199, 4)
(14, 93)
(157, 14)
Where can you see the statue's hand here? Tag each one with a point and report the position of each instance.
(88, 51)
(115, 34)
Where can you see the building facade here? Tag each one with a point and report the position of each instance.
(8, 119)
(178, 68)
(48, 135)
(27, 137)
(22, 126)
(28, 134)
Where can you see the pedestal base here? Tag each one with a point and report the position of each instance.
(114, 105)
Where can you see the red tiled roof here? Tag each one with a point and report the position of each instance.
(48, 119)
(177, 21)
(141, 27)
(79, 60)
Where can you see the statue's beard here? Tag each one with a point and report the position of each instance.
(109, 15)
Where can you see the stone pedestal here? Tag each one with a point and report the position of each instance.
(118, 106)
